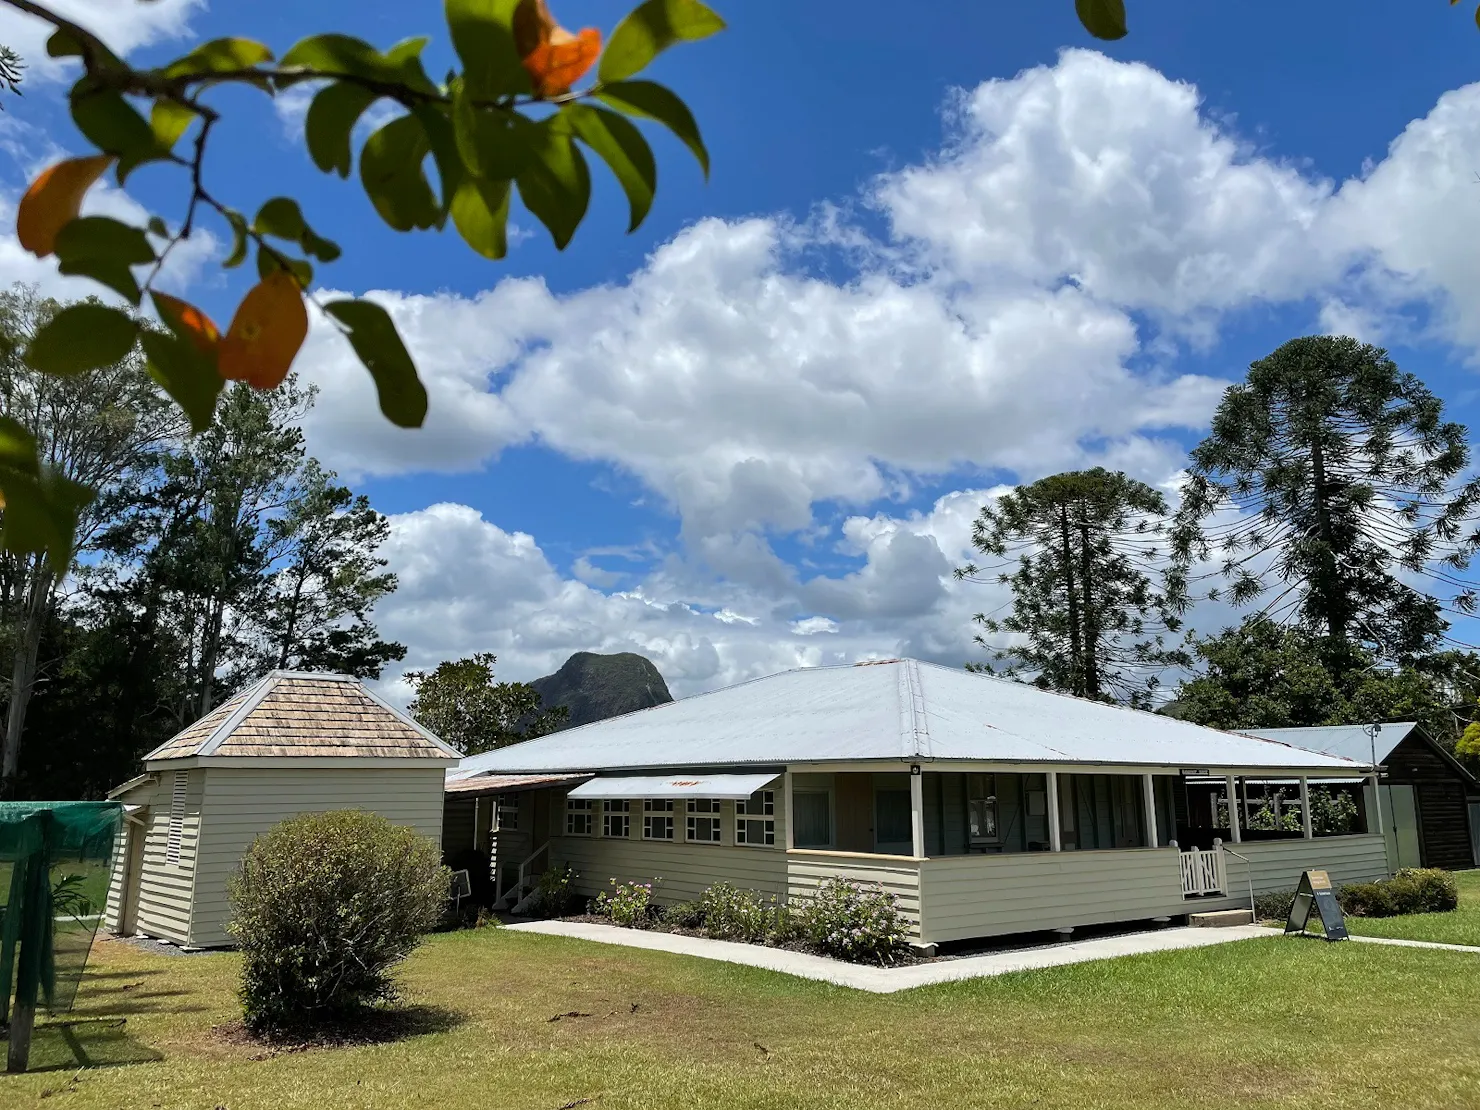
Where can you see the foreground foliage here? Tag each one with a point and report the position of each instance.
(326, 905)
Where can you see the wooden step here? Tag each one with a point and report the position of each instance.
(1220, 919)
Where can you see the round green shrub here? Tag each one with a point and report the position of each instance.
(854, 921)
(326, 904)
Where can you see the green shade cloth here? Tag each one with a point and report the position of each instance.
(55, 863)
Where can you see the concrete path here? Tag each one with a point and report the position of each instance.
(886, 980)
(1419, 944)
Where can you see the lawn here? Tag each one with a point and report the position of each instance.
(1461, 926)
(516, 1020)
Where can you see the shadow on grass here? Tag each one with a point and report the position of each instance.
(69, 1045)
(366, 1027)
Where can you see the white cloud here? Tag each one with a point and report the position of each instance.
(122, 25)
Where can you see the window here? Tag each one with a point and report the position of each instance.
(981, 809)
(811, 810)
(176, 832)
(614, 820)
(506, 813)
(578, 816)
(657, 819)
(703, 824)
(755, 819)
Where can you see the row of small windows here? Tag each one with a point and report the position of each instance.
(755, 819)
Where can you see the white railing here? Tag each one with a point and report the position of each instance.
(1204, 872)
(518, 895)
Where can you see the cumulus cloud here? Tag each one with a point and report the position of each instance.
(124, 25)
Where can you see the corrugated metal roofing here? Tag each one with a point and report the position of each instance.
(1346, 741)
(890, 710)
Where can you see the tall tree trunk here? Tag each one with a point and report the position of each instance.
(36, 607)
(1091, 635)
(1076, 632)
(1334, 610)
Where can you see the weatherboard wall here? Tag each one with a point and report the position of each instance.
(241, 803)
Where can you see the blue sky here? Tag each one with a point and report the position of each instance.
(936, 254)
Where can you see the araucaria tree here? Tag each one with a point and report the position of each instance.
(1327, 473)
(1093, 599)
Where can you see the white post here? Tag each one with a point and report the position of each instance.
(1233, 822)
(1377, 802)
(476, 800)
(1149, 788)
(1305, 806)
(917, 811)
(1055, 836)
(791, 840)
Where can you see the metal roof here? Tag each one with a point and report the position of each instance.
(1346, 741)
(897, 710)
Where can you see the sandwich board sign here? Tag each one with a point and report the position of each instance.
(1315, 893)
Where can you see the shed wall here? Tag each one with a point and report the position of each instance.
(166, 889)
(242, 803)
(1442, 795)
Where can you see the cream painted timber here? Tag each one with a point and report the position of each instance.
(686, 868)
(1277, 864)
(141, 795)
(242, 803)
(166, 890)
(807, 870)
(963, 897)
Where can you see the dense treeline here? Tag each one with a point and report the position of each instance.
(203, 562)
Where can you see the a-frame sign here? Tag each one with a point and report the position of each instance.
(1315, 893)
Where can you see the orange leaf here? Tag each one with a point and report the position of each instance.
(265, 334)
(554, 58)
(182, 316)
(54, 199)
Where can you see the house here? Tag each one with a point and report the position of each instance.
(986, 806)
(291, 743)
(1430, 802)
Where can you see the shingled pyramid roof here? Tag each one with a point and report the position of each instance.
(298, 714)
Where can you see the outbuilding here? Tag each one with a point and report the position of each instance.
(1430, 802)
(290, 743)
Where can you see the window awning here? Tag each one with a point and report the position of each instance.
(731, 787)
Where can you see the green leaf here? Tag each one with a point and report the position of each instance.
(325, 250)
(220, 56)
(480, 212)
(651, 28)
(492, 142)
(17, 447)
(41, 515)
(185, 372)
(158, 227)
(443, 142)
(103, 249)
(391, 171)
(238, 253)
(169, 119)
(652, 101)
(556, 185)
(112, 125)
(1105, 19)
(335, 53)
(405, 56)
(268, 263)
(483, 36)
(281, 217)
(332, 115)
(403, 398)
(82, 336)
(64, 44)
(621, 146)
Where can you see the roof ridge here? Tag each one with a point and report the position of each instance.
(251, 698)
(914, 724)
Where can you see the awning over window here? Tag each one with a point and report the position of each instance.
(732, 787)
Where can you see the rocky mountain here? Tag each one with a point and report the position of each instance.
(594, 687)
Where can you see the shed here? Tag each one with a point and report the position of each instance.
(1430, 802)
(290, 743)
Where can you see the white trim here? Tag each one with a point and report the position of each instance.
(1233, 818)
(724, 787)
(1148, 786)
(1055, 831)
(251, 698)
(174, 838)
(132, 784)
(406, 719)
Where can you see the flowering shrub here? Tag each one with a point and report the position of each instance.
(627, 904)
(557, 891)
(854, 921)
(733, 914)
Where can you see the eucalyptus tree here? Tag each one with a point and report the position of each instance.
(1333, 490)
(460, 701)
(1093, 598)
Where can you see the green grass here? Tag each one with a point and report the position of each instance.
(1274, 1022)
(1460, 926)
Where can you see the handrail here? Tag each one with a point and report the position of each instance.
(1249, 875)
(524, 871)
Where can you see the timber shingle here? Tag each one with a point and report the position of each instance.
(292, 714)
